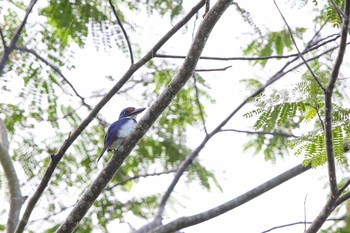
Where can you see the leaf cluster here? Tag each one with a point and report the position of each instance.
(282, 113)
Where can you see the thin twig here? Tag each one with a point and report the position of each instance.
(280, 134)
(311, 47)
(53, 214)
(3, 39)
(55, 68)
(136, 177)
(13, 42)
(319, 115)
(58, 71)
(299, 223)
(199, 103)
(296, 46)
(215, 69)
(123, 30)
(339, 12)
(312, 42)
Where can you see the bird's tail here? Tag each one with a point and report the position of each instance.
(102, 152)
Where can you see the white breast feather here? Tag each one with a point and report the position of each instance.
(126, 128)
(124, 131)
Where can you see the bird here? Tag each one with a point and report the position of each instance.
(120, 129)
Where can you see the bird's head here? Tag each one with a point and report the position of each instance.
(130, 112)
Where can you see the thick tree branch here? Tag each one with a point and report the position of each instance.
(8, 49)
(68, 142)
(16, 198)
(180, 79)
(123, 30)
(183, 222)
(331, 203)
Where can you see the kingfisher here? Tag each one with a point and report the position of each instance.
(120, 129)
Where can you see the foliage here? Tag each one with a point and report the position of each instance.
(274, 43)
(286, 111)
(44, 108)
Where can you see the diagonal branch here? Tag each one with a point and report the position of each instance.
(8, 50)
(123, 30)
(339, 11)
(199, 103)
(165, 98)
(183, 222)
(296, 46)
(58, 71)
(75, 134)
(3, 39)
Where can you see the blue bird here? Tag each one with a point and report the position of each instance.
(120, 129)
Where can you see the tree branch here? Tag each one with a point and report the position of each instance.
(296, 46)
(165, 98)
(331, 203)
(16, 198)
(280, 134)
(67, 143)
(58, 71)
(123, 30)
(3, 39)
(183, 222)
(8, 50)
(140, 176)
(315, 46)
(299, 223)
(339, 12)
(199, 103)
(215, 69)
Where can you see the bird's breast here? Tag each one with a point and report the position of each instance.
(126, 128)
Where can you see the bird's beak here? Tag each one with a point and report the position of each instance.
(137, 111)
